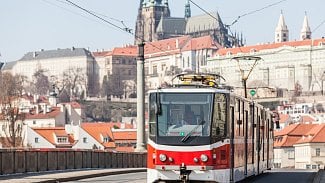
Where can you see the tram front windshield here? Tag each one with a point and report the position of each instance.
(181, 118)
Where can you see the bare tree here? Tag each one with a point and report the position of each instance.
(73, 82)
(105, 87)
(10, 92)
(41, 82)
(297, 90)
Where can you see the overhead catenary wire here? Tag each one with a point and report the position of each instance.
(93, 14)
(240, 16)
(254, 11)
(97, 15)
(124, 29)
(318, 26)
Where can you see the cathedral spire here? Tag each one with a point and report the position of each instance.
(187, 9)
(305, 31)
(281, 31)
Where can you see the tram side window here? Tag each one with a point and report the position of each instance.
(219, 128)
(152, 116)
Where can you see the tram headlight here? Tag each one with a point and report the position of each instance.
(204, 158)
(162, 157)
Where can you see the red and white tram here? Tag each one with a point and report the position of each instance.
(228, 139)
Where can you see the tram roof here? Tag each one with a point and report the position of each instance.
(190, 89)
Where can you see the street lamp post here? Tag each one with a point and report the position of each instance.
(140, 147)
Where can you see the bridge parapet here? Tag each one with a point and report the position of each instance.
(39, 160)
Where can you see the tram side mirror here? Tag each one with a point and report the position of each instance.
(276, 118)
(157, 109)
(277, 124)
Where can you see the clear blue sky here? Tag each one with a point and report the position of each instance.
(31, 25)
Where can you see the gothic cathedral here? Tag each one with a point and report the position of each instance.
(155, 23)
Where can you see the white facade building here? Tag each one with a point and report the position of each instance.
(283, 65)
(57, 62)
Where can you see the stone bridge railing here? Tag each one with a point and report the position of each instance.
(40, 160)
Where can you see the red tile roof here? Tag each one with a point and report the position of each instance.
(55, 111)
(256, 48)
(199, 43)
(315, 135)
(125, 135)
(284, 118)
(286, 141)
(306, 119)
(291, 134)
(295, 130)
(49, 133)
(102, 53)
(166, 46)
(126, 51)
(99, 130)
(119, 51)
(125, 149)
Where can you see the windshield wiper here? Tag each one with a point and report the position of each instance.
(189, 134)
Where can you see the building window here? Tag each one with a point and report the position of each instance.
(129, 72)
(163, 67)
(36, 140)
(317, 151)
(85, 140)
(154, 70)
(106, 139)
(146, 70)
(34, 122)
(107, 61)
(62, 140)
(291, 154)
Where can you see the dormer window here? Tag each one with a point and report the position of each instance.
(62, 140)
(106, 139)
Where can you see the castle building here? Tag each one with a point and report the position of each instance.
(155, 23)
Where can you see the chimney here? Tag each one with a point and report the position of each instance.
(34, 54)
(62, 108)
(72, 48)
(177, 44)
(44, 108)
(37, 109)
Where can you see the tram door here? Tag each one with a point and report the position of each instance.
(258, 140)
(253, 127)
(257, 136)
(232, 146)
(245, 127)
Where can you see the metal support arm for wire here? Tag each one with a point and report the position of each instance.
(242, 71)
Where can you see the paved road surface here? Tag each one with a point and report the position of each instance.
(273, 176)
(284, 176)
(129, 178)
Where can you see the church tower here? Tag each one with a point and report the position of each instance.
(305, 31)
(149, 15)
(281, 31)
(187, 9)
